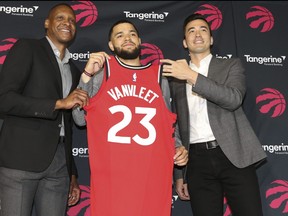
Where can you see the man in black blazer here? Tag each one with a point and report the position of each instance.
(37, 93)
(207, 96)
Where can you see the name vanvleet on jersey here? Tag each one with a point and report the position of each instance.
(134, 91)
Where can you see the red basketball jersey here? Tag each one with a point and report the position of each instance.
(131, 144)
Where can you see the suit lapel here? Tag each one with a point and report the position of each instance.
(212, 73)
(54, 62)
(217, 70)
(73, 75)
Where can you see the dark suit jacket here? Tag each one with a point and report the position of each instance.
(30, 84)
(224, 89)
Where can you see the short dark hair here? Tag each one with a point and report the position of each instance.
(195, 16)
(120, 22)
(58, 5)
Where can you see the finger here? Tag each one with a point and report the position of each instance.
(181, 60)
(184, 198)
(72, 201)
(181, 195)
(185, 191)
(74, 198)
(179, 151)
(181, 161)
(167, 74)
(167, 68)
(81, 93)
(106, 55)
(167, 61)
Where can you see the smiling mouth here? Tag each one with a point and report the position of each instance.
(65, 30)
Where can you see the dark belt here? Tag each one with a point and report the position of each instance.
(205, 145)
(61, 139)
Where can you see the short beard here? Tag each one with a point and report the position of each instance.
(128, 55)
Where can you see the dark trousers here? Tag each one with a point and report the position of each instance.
(47, 190)
(211, 176)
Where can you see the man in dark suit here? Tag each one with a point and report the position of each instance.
(36, 94)
(207, 96)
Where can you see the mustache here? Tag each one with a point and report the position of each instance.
(128, 42)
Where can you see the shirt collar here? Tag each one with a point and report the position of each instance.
(204, 61)
(57, 52)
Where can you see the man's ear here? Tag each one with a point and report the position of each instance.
(111, 46)
(211, 42)
(185, 44)
(46, 23)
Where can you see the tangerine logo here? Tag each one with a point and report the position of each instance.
(276, 148)
(86, 11)
(80, 56)
(150, 17)
(227, 56)
(19, 11)
(277, 195)
(213, 15)
(84, 203)
(271, 101)
(262, 16)
(266, 60)
(5, 46)
(150, 53)
(80, 152)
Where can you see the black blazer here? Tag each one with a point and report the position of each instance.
(30, 84)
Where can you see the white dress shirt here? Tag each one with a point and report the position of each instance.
(200, 130)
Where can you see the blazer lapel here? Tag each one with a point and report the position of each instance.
(54, 62)
(217, 70)
(212, 73)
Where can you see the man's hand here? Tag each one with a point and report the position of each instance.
(77, 98)
(181, 156)
(182, 190)
(94, 64)
(179, 69)
(74, 192)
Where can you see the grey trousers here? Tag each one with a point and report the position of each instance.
(47, 191)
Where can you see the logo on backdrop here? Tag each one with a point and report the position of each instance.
(213, 15)
(19, 10)
(271, 102)
(149, 17)
(80, 152)
(227, 211)
(5, 46)
(276, 148)
(86, 12)
(277, 195)
(261, 18)
(83, 206)
(227, 56)
(174, 200)
(81, 57)
(266, 60)
(150, 53)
